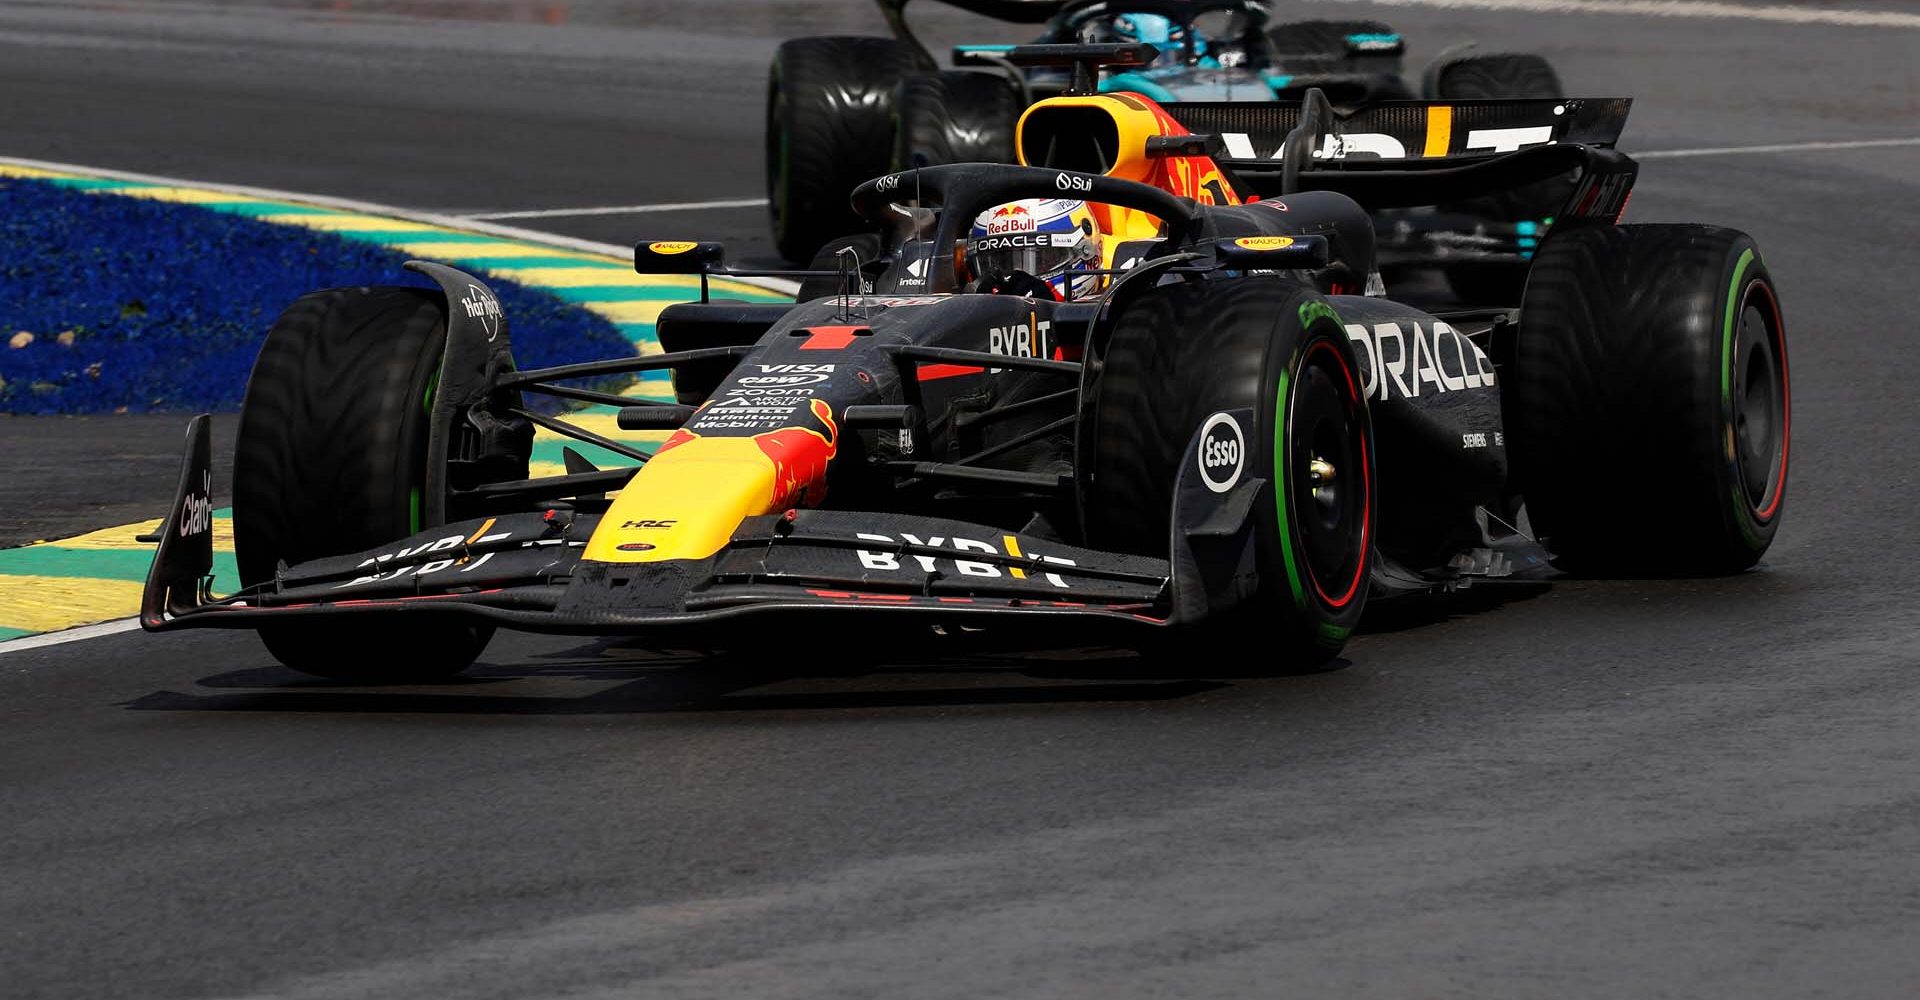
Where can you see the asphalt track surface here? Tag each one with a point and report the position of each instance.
(1613, 788)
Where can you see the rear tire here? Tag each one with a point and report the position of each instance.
(1181, 352)
(1494, 76)
(331, 459)
(955, 116)
(1648, 415)
(829, 128)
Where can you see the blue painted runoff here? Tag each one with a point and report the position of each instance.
(154, 306)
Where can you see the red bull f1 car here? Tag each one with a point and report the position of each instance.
(1224, 439)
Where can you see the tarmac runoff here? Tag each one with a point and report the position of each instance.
(66, 583)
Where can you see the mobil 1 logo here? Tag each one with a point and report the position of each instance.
(1222, 455)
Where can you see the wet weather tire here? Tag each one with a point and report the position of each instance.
(955, 117)
(829, 128)
(1181, 352)
(330, 459)
(1647, 410)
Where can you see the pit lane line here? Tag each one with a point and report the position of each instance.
(1778, 13)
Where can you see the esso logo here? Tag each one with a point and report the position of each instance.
(1223, 452)
(1071, 184)
(670, 247)
(1220, 453)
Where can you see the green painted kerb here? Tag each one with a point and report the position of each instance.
(1726, 336)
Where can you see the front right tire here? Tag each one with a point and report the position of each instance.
(1181, 352)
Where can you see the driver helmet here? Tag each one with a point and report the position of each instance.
(1044, 238)
(1157, 30)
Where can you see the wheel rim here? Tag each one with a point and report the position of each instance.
(1329, 474)
(1759, 402)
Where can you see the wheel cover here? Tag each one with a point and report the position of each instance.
(1328, 474)
(1757, 397)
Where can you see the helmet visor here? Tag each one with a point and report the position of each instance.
(1042, 255)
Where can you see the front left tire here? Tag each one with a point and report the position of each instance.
(331, 459)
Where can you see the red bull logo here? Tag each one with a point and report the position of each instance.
(800, 456)
(1012, 218)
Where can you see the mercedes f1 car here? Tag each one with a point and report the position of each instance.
(1219, 439)
(843, 109)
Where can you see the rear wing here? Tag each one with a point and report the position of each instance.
(1414, 153)
(1255, 134)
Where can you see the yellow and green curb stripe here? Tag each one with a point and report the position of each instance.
(97, 576)
(48, 586)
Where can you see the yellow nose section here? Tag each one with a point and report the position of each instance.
(687, 502)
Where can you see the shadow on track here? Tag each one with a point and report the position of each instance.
(623, 679)
(642, 682)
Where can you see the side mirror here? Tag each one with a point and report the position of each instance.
(678, 257)
(1272, 253)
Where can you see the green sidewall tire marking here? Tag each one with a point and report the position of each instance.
(1283, 444)
(1744, 517)
(1726, 337)
(1282, 461)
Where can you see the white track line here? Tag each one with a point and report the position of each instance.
(671, 206)
(45, 639)
(371, 208)
(1778, 13)
(1784, 147)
